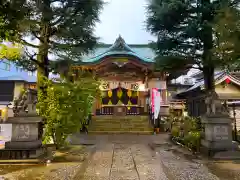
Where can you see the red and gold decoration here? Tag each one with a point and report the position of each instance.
(119, 93)
(109, 85)
(120, 96)
(226, 82)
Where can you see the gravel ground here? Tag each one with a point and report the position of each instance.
(129, 157)
(63, 168)
(179, 168)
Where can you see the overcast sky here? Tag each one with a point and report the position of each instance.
(125, 18)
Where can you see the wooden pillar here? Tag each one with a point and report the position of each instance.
(164, 91)
(145, 105)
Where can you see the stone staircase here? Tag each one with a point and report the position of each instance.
(119, 125)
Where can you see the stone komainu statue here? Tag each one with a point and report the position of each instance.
(214, 104)
(26, 100)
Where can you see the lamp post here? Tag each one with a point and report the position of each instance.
(233, 104)
(235, 122)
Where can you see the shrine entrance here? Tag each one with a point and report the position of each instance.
(125, 77)
(121, 101)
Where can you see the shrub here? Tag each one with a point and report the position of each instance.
(175, 131)
(192, 140)
(187, 130)
(66, 107)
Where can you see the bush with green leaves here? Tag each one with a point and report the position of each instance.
(188, 130)
(192, 140)
(175, 131)
(66, 107)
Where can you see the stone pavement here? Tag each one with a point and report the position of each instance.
(129, 157)
(124, 162)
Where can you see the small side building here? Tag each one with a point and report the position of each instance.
(227, 86)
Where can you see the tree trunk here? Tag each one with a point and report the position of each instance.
(208, 75)
(42, 58)
(207, 39)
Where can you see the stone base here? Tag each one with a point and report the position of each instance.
(25, 145)
(212, 152)
(12, 154)
(227, 155)
(218, 132)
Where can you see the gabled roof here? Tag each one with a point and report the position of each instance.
(142, 52)
(18, 78)
(5, 103)
(218, 77)
(28, 79)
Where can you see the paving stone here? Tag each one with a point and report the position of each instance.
(123, 165)
(100, 163)
(147, 164)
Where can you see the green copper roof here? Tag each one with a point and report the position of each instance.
(141, 51)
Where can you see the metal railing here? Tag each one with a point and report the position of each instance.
(106, 110)
(109, 110)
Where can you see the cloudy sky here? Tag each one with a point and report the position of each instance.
(125, 18)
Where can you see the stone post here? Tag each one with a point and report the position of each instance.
(217, 134)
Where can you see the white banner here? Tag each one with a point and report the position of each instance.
(5, 132)
(157, 104)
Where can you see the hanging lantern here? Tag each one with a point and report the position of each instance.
(227, 81)
(129, 93)
(110, 93)
(119, 93)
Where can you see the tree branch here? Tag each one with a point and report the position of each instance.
(62, 16)
(31, 57)
(36, 36)
(28, 44)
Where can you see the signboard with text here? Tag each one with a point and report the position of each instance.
(5, 133)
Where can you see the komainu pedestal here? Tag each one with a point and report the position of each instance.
(217, 140)
(26, 127)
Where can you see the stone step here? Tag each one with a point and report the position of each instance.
(131, 128)
(121, 124)
(119, 120)
(121, 127)
(127, 124)
(120, 132)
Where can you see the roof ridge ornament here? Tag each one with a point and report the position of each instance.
(120, 45)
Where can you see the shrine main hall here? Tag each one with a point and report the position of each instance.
(127, 76)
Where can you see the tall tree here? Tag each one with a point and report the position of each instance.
(227, 29)
(186, 35)
(62, 28)
(11, 13)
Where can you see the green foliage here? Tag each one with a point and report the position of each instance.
(227, 28)
(66, 107)
(185, 33)
(11, 13)
(188, 131)
(175, 131)
(11, 52)
(64, 29)
(192, 140)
